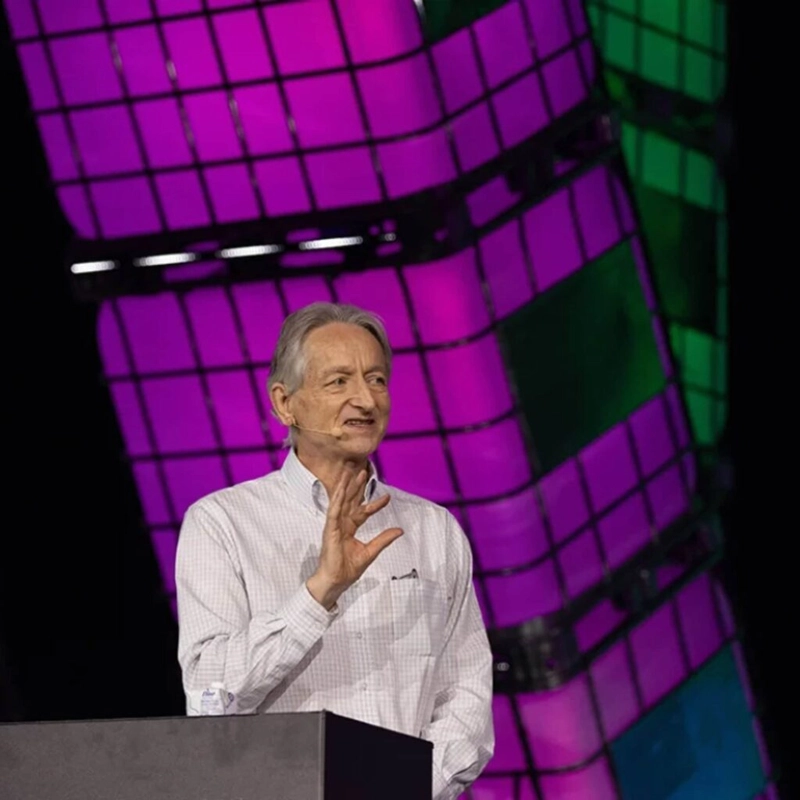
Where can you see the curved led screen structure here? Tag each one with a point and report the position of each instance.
(456, 168)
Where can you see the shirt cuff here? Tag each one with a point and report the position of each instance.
(305, 618)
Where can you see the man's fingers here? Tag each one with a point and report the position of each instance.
(377, 545)
(339, 492)
(355, 489)
(361, 514)
(376, 505)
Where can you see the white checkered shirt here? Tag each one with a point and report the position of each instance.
(405, 648)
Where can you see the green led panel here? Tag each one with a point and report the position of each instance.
(599, 368)
(677, 44)
(681, 201)
(443, 17)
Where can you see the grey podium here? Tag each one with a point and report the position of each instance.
(304, 756)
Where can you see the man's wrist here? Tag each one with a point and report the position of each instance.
(323, 591)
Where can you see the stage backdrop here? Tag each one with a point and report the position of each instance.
(549, 274)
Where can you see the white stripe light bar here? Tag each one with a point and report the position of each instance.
(325, 244)
(92, 266)
(165, 261)
(248, 252)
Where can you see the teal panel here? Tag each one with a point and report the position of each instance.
(697, 744)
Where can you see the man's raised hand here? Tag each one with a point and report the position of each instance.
(343, 558)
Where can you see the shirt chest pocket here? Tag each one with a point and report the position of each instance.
(419, 615)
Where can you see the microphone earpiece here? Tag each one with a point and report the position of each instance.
(292, 423)
(317, 430)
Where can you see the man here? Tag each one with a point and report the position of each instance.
(318, 587)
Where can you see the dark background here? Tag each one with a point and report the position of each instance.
(84, 632)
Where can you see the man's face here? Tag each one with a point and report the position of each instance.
(344, 393)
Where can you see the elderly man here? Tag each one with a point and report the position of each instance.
(319, 587)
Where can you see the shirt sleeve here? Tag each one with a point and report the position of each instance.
(219, 640)
(461, 727)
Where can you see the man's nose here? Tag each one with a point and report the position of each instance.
(362, 396)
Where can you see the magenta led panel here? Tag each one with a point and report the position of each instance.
(163, 116)
(564, 734)
(187, 373)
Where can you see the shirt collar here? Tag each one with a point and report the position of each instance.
(308, 488)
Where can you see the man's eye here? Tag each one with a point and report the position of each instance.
(379, 379)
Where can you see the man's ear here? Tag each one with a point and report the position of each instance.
(279, 398)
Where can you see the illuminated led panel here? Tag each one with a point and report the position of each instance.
(165, 116)
(665, 713)
(681, 200)
(677, 44)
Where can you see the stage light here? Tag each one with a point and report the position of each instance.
(249, 252)
(170, 259)
(92, 266)
(327, 244)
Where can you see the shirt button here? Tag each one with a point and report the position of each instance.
(359, 635)
(363, 687)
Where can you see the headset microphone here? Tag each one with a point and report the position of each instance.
(314, 430)
(293, 424)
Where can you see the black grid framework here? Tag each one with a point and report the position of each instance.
(148, 245)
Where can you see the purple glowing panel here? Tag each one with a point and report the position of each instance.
(560, 725)
(456, 278)
(508, 531)
(127, 89)
(565, 731)
(607, 485)
(509, 280)
(448, 367)
(552, 237)
(489, 200)
(474, 137)
(582, 562)
(522, 596)
(243, 45)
